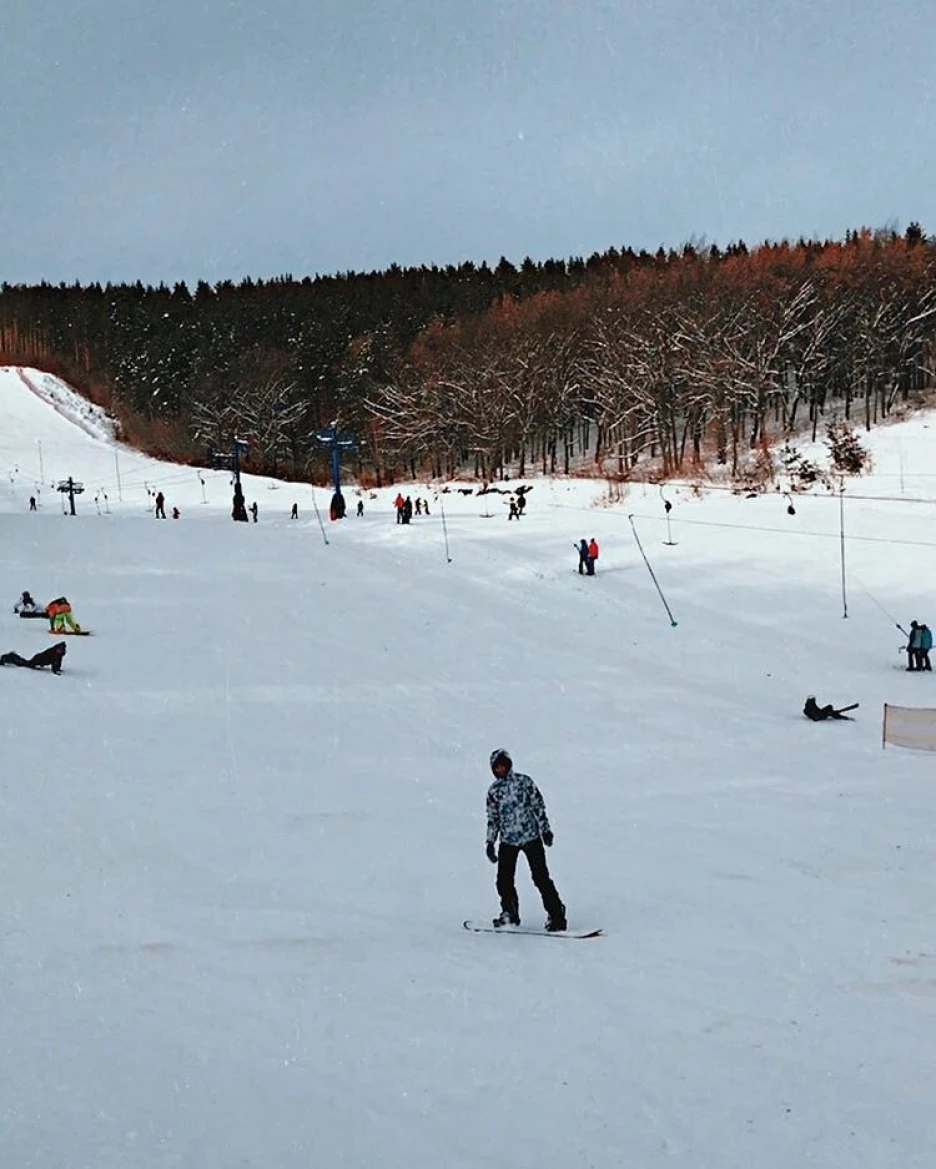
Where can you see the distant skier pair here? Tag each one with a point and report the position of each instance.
(919, 643)
(588, 555)
(516, 816)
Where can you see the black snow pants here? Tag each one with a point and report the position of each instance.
(506, 870)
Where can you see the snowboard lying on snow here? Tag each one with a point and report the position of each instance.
(482, 927)
(69, 632)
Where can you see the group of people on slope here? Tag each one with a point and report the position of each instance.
(161, 507)
(59, 614)
(588, 555)
(517, 505)
(405, 508)
(919, 643)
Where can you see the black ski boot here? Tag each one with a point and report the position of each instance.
(508, 917)
(556, 922)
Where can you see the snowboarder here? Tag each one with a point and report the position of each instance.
(818, 714)
(49, 657)
(160, 506)
(32, 503)
(59, 613)
(294, 514)
(360, 507)
(26, 606)
(516, 814)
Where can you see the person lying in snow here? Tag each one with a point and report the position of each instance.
(819, 714)
(49, 657)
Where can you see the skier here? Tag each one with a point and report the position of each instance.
(360, 507)
(253, 510)
(926, 644)
(26, 606)
(294, 514)
(592, 555)
(48, 657)
(818, 714)
(913, 647)
(516, 813)
(59, 613)
(160, 506)
(582, 548)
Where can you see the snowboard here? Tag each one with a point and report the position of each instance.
(69, 632)
(480, 927)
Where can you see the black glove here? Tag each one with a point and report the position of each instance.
(548, 839)
(491, 852)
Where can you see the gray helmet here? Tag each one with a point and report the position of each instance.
(500, 756)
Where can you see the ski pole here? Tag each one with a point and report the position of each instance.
(652, 574)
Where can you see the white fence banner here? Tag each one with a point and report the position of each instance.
(909, 726)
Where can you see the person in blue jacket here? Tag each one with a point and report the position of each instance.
(926, 644)
(516, 815)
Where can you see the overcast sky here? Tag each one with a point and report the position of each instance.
(214, 139)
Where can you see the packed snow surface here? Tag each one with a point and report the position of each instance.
(239, 833)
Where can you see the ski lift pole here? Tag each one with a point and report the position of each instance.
(445, 531)
(318, 516)
(669, 611)
(842, 542)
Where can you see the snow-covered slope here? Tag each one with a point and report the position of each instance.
(239, 834)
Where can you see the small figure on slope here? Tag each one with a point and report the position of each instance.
(818, 714)
(49, 657)
(516, 815)
(59, 613)
(27, 607)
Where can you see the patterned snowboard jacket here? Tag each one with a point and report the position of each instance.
(516, 811)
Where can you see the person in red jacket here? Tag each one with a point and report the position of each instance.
(592, 555)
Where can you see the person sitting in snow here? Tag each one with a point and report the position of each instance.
(49, 657)
(817, 714)
(26, 606)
